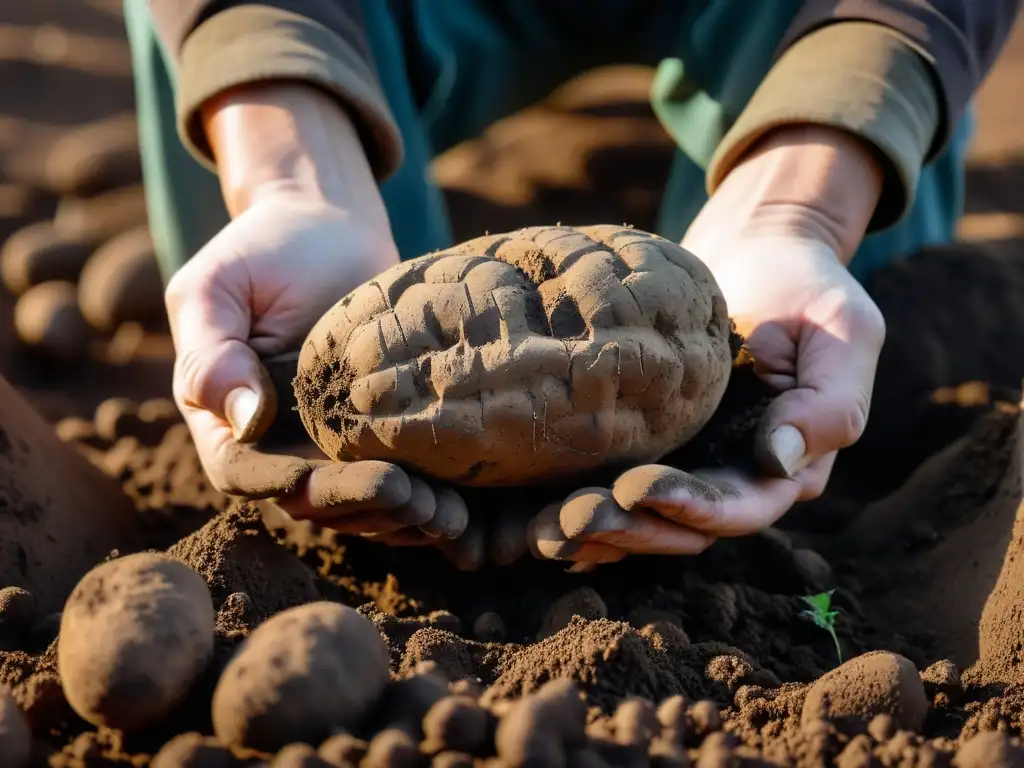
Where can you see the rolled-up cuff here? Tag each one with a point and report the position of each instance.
(253, 43)
(859, 77)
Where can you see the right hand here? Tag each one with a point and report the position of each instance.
(254, 291)
(308, 225)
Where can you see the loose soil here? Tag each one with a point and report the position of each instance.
(703, 661)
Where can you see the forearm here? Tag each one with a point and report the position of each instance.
(289, 137)
(807, 180)
(218, 47)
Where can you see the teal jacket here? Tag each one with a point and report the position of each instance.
(419, 76)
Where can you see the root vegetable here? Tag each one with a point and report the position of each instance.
(38, 253)
(542, 728)
(95, 158)
(550, 351)
(155, 617)
(94, 220)
(868, 685)
(122, 283)
(48, 321)
(456, 723)
(299, 676)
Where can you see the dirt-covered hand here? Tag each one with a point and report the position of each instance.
(255, 290)
(603, 525)
(777, 234)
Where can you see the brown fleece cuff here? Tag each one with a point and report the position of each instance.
(254, 43)
(856, 76)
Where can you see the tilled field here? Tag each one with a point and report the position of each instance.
(213, 633)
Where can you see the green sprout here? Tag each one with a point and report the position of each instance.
(821, 613)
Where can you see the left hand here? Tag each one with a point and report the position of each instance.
(777, 235)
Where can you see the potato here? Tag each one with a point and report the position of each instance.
(136, 634)
(95, 157)
(121, 283)
(95, 220)
(48, 320)
(38, 253)
(872, 684)
(537, 355)
(301, 675)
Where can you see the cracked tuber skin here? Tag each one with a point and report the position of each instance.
(534, 356)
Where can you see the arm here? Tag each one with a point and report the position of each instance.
(896, 74)
(223, 47)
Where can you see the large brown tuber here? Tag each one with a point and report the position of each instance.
(516, 358)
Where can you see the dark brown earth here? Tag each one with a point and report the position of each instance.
(702, 661)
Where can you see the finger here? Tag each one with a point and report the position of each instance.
(215, 370)
(469, 551)
(335, 489)
(741, 506)
(546, 539)
(403, 537)
(506, 536)
(814, 478)
(828, 409)
(451, 516)
(418, 510)
(242, 469)
(594, 515)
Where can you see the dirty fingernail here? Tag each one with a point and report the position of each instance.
(789, 447)
(240, 406)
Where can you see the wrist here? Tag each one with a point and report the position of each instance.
(811, 181)
(274, 138)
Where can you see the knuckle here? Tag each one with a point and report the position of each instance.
(852, 422)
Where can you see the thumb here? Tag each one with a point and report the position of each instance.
(218, 378)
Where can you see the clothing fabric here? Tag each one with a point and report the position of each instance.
(418, 77)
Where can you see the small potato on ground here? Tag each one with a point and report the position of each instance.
(155, 618)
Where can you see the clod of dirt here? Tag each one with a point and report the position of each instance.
(942, 679)
(991, 749)
(452, 760)
(17, 612)
(298, 756)
(299, 676)
(235, 553)
(456, 723)
(15, 736)
(156, 618)
(391, 748)
(343, 749)
(122, 283)
(38, 254)
(48, 321)
(552, 351)
(543, 727)
(193, 750)
(868, 685)
(607, 659)
(582, 601)
(95, 157)
(94, 220)
(813, 569)
(489, 627)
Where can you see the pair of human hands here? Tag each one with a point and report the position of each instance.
(255, 290)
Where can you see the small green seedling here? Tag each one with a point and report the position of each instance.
(821, 613)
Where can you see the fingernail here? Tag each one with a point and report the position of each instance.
(241, 406)
(789, 447)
